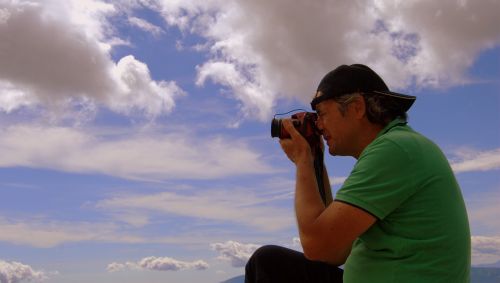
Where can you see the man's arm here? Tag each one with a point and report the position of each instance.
(327, 233)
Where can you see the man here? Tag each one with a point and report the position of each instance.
(399, 216)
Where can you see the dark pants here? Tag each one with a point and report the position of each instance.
(274, 264)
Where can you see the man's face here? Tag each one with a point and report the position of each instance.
(337, 129)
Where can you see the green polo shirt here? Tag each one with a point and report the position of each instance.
(422, 232)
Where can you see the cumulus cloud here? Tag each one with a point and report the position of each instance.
(449, 33)
(158, 264)
(60, 52)
(234, 252)
(15, 272)
(485, 249)
(139, 92)
(285, 51)
(147, 156)
(115, 266)
(56, 54)
(466, 160)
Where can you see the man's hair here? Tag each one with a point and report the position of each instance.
(380, 109)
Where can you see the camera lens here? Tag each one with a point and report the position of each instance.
(276, 128)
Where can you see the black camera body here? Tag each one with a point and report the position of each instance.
(304, 122)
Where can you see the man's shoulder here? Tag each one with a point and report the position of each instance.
(405, 138)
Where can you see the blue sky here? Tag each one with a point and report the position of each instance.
(135, 135)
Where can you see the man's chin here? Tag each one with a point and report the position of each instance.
(334, 152)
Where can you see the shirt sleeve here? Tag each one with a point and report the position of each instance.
(381, 180)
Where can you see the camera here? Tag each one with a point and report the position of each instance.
(304, 122)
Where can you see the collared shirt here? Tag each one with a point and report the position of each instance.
(422, 232)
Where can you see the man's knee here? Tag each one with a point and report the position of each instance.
(263, 255)
(261, 264)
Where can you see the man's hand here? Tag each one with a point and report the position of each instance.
(296, 148)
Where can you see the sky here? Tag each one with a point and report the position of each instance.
(135, 135)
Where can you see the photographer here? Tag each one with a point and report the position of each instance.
(399, 216)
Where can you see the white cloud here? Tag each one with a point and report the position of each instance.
(485, 249)
(284, 52)
(145, 25)
(167, 264)
(14, 272)
(256, 99)
(296, 243)
(134, 155)
(45, 234)
(237, 253)
(483, 210)
(242, 207)
(56, 54)
(115, 266)
(12, 98)
(140, 92)
(337, 180)
(450, 34)
(158, 264)
(466, 160)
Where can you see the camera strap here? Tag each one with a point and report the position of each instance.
(318, 169)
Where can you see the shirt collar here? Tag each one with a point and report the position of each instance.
(392, 124)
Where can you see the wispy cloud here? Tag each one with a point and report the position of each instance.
(234, 252)
(136, 155)
(485, 249)
(145, 25)
(45, 234)
(158, 264)
(467, 160)
(14, 272)
(483, 210)
(231, 206)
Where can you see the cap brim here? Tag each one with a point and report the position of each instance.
(406, 101)
(320, 99)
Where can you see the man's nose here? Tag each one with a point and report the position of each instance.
(319, 125)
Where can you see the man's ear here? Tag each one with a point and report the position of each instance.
(359, 107)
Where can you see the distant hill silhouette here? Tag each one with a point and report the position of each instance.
(478, 275)
(484, 275)
(237, 279)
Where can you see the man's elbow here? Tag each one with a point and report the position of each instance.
(315, 252)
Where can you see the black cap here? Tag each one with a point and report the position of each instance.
(357, 78)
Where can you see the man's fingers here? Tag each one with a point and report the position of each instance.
(288, 124)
